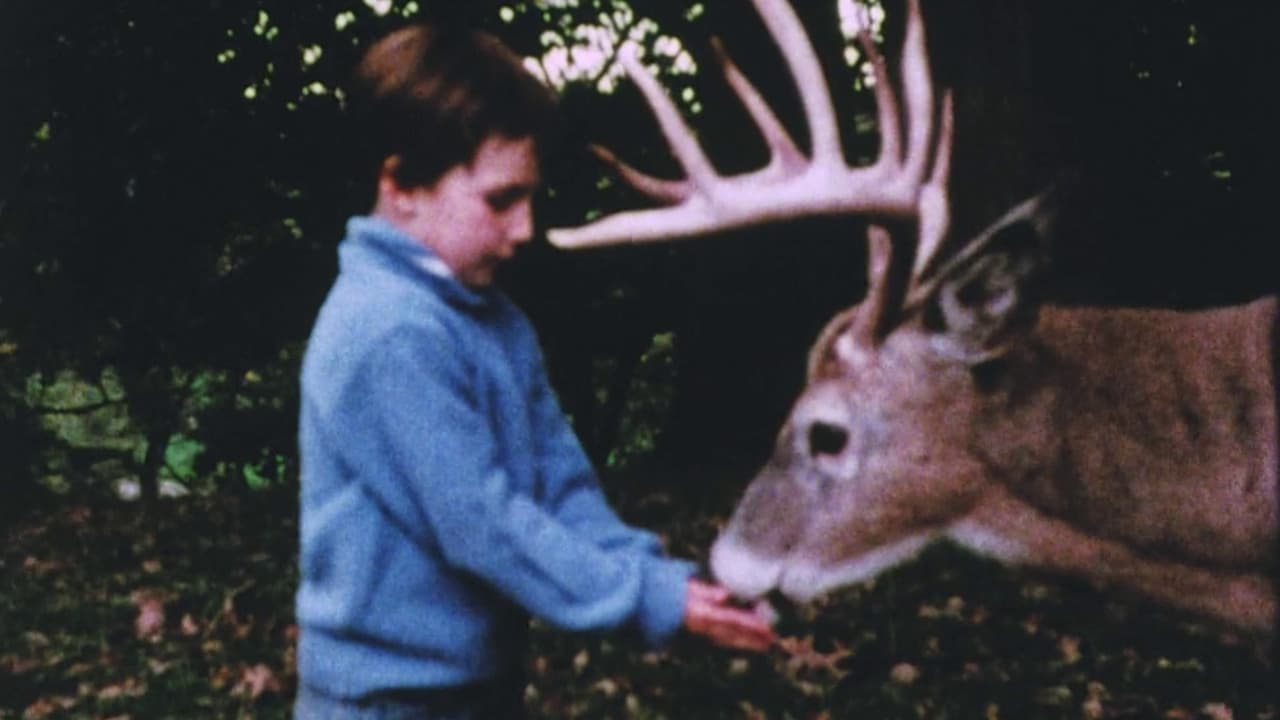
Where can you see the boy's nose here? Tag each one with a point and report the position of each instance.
(520, 228)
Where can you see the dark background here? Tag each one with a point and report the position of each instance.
(158, 225)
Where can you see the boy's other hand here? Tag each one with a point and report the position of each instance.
(710, 613)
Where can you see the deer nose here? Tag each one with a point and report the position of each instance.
(827, 439)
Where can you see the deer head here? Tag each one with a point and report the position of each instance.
(880, 370)
(878, 455)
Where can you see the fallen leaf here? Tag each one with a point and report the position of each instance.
(255, 682)
(932, 647)
(78, 516)
(801, 655)
(221, 677)
(17, 666)
(1218, 711)
(606, 687)
(130, 687)
(751, 712)
(1053, 695)
(811, 689)
(150, 621)
(36, 566)
(41, 708)
(36, 640)
(928, 612)
(46, 706)
(904, 673)
(1069, 645)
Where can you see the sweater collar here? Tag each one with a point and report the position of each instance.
(393, 247)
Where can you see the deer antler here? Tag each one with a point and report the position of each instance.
(791, 185)
(933, 218)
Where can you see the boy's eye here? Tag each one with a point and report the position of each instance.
(504, 199)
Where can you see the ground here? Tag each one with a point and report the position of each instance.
(105, 614)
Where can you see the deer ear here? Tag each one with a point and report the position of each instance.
(987, 297)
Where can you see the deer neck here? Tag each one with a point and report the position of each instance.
(1130, 423)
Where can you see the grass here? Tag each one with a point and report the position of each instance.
(190, 616)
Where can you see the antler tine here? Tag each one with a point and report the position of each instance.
(781, 21)
(886, 103)
(853, 335)
(678, 134)
(865, 331)
(917, 91)
(783, 152)
(665, 191)
(935, 207)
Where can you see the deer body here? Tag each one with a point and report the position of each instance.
(1130, 447)
(1150, 420)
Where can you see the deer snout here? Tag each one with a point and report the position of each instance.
(746, 574)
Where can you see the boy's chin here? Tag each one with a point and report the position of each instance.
(479, 277)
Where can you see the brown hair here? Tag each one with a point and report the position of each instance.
(431, 95)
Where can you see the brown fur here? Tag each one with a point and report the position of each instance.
(1134, 448)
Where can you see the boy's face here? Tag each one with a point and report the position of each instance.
(475, 215)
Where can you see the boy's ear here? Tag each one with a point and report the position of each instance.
(390, 193)
(987, 297)
(387, 173)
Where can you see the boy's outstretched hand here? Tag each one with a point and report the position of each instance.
(709, 613)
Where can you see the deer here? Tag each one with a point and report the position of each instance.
(1134, 448)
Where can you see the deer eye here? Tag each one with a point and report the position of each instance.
(827, 439)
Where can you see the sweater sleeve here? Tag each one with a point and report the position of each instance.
(451, 490)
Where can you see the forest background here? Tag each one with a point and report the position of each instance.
(173, 183)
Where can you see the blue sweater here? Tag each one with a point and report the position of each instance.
(444, 495)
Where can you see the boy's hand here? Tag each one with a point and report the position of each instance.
(709, 613)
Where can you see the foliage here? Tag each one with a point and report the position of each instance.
(192, 618)
(95, 447)
(172, 620)
(180, 177)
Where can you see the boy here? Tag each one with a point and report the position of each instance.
(444, 495)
